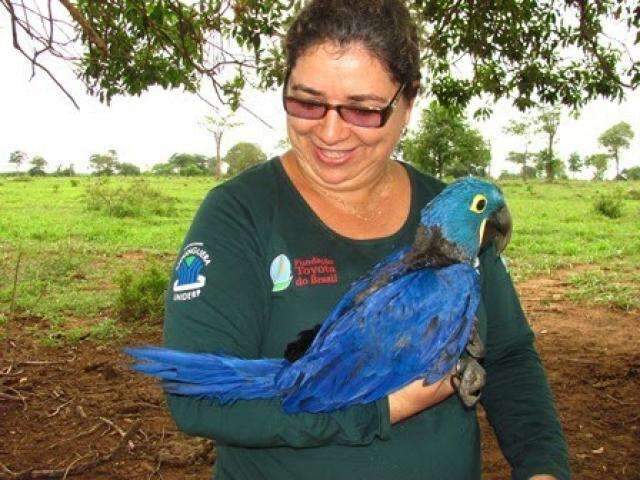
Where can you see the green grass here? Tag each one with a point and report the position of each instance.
(613, 288)
(73, 257)
(555, 225)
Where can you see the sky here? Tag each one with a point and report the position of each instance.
(38, 119)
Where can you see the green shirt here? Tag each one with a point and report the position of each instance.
(272, 269)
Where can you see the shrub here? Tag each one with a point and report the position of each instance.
(22, 178)
(609, 205)
(137, 199)
(633, 194)
(74, 182)
(141, 294)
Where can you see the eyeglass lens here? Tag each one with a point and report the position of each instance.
(315, 111)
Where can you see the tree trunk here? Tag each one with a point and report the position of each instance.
(218, 138)
(615, 155)
(549, 163)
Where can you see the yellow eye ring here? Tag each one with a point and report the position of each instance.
(478, 204)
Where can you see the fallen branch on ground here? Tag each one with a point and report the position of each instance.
(32, 474)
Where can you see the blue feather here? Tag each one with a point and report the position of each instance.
(409, 318)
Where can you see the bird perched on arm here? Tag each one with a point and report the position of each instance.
(411, 317)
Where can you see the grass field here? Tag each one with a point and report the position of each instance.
(71, 256)
(63, 375)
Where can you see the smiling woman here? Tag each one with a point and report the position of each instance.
(341, 167)
(287, 239)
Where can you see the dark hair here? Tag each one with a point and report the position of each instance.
(383, 26)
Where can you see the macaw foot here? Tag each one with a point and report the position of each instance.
(475, 347)
(468, 379)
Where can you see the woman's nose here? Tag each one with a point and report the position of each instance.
(332, 129)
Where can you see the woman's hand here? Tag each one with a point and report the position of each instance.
(416, 397)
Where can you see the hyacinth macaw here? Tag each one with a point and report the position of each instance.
(411, 317)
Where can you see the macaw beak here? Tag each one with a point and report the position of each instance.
(498, 229)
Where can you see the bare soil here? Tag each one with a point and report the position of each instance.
(78, 412)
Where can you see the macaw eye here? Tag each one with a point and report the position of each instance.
(478, 204)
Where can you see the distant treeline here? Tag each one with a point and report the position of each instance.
(239, 157)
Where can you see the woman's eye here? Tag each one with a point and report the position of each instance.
(478, 204)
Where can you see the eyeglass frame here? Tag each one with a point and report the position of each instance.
(385, 112)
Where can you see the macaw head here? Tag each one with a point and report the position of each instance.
(469, 214)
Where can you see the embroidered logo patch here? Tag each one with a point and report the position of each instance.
(280, 272)
(189, 272)
(315, 271)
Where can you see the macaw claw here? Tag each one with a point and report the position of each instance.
(468, 379)
(475, 347)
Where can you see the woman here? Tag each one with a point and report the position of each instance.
(279, 244)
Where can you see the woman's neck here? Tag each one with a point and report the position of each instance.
(375, 209)
(363, 197)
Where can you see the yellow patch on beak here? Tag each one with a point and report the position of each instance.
(482, 227)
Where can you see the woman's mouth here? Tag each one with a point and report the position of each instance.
(333, 157)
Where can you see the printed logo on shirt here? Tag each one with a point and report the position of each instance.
(315, 271)
(189, 272)
(280, 272)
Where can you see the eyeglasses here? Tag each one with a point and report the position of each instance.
(360, 117)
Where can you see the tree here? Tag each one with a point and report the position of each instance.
(65, 172)
(632, 173)
(522, 158)
(600, 163)
(104, 163)
(575, 163)
(127, 169)
(525, 129)
(218, 126)
(18, 158)
(38, 163)
(186, 164)
(242, 156)
(191, 164)
(548, 121)
(530, 51)
(446, 145)
(616, 138)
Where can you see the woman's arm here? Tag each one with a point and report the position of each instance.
(517, 396)
(228, 314)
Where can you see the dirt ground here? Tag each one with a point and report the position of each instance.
(77, 412)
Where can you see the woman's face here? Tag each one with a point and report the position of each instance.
(331, 152)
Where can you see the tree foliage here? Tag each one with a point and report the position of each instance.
(445, 144)
(550, 51)
(38, 163)
(185, 164)
(522, 159)
(600, 164)
(575, 162)
(127, 169)
(616, 138)
(632, 173)
(17, 157)
(104, 163)
(523, 129)
(218, 125)
(242, 156)
(547, 123)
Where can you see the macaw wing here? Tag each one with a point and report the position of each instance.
(390, 266)
(415, 327)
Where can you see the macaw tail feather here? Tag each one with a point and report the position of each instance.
(204, 374)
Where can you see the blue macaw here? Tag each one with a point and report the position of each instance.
(412, 317)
